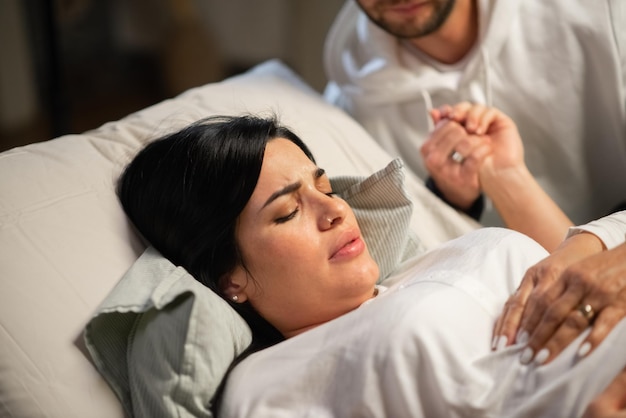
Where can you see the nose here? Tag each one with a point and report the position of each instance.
(332, 212)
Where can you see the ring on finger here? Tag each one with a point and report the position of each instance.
(587, 311)
(457, 157)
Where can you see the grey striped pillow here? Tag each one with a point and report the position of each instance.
(383, 210)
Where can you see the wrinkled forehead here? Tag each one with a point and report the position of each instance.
(284, 164)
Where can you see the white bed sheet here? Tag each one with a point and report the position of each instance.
(422, 349)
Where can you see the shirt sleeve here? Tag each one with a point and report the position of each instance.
(611, 229)
(475, 211)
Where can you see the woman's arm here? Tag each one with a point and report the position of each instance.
(523, 205)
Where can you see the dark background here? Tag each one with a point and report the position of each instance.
(69, 66)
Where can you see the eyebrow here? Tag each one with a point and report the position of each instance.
(319, 172)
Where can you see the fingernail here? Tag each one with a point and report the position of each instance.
(494, 341)
(522, 337)
(502, 340)
(526, 356)
(584, 349)
(542, 356)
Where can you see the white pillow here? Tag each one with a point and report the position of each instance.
(164, 341)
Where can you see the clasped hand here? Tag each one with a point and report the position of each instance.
(469, 141)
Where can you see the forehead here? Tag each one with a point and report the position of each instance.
(282, 154)
(284, 163)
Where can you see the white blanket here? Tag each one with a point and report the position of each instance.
(422, 349)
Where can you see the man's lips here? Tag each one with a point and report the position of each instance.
(404, 8)
(350, 244)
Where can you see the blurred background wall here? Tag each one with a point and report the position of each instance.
(67, 66)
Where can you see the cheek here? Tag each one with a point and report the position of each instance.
(286, 250)
(297, 246)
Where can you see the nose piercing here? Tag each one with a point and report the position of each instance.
(330, 221)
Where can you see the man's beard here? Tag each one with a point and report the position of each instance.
(408, 30)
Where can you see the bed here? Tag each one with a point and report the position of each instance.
(66, 246)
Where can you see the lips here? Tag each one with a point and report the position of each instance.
(403, 8)
(349, 245)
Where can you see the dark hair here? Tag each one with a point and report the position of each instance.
(185, 191)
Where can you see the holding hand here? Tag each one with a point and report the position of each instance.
(465, 138)
(475, 149)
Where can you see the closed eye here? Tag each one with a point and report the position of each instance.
(287, 218)
(319, 175)
(323, 182)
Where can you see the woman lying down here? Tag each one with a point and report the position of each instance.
(241, 204)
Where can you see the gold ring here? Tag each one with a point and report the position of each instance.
(587, 311)
(457, 157)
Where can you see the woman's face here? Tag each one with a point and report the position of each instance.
(305, 259)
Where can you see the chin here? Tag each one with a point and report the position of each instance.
(370, 271)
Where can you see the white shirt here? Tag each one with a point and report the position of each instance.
(422, 349)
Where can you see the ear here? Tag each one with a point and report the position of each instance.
(233, 285)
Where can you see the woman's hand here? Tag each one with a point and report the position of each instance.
(457, 148)
(533, 291)
(612, 402)
(549, 305)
